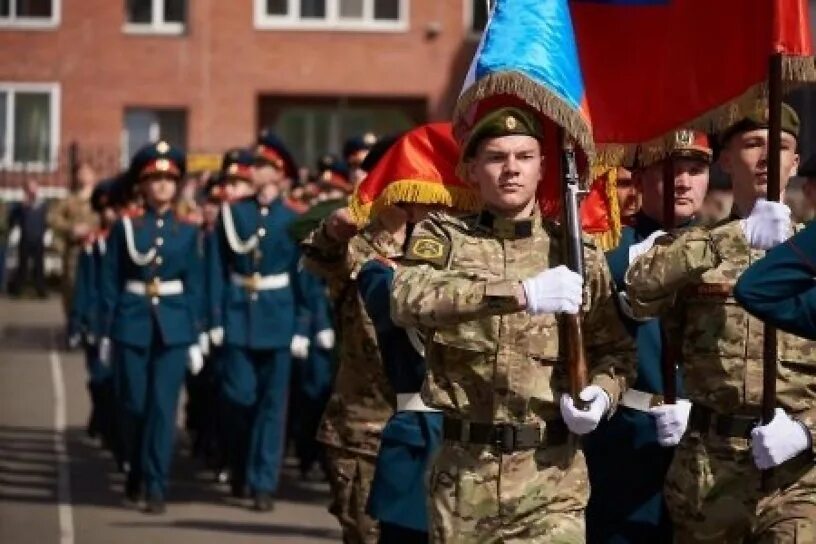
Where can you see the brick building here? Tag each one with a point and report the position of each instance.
(110, 75)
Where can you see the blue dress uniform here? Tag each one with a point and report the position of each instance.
(152, 287)
(413, 434)
(315, 374)
(627, 466)
(252, 264)
(780, 288)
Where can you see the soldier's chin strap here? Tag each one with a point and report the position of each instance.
(139, 259)
(236, 244)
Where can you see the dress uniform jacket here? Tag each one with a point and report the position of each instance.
(780, 288)
(167, 250)
(252, 241)
(627, 466)
(410, 438)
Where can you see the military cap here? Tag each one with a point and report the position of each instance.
(237, 164)
(758, 118)
(333, 172)
(691, 144)
(156, 158)
(363, 142)
(270, 149)
(377, 151)
(502, 122)
(107, 193)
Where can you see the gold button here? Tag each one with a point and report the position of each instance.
(264, 211)
(160, 223)
(154, 301)
(159, 241)
(159, 260)
(261, 232)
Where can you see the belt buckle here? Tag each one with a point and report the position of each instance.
(505, 438)
(657, 400)
(153, 287)
(253, 282)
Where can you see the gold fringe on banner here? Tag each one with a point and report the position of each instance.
(415, 192)
(610, 238)
(534, 95)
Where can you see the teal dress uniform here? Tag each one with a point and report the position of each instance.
(314, 376)
(151, 282)
(780, 288)
(627, 466)
(413, 434)
(253, 299)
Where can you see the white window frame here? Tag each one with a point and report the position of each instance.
(7, 161)
(157, 24)
(13, 22)
(467, 11)
(332, 21)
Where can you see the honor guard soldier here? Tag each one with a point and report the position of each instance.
(687, 278)
(780, 290)
(627, 465)
(152, 281)
(253, 300)
(487, 289)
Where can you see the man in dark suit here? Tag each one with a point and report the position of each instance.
(29, 217)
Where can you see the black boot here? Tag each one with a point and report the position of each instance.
(263, 501)
(155, 505)
(133, 489)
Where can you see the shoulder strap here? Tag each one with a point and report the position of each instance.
(138, 259)
(236, 244)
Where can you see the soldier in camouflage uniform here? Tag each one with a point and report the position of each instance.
(486, 290)
(73, 222)
(359, 406)
(712, 488)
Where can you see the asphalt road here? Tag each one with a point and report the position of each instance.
(57, 486)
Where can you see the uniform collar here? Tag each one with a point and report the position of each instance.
(151, 212)
(508, 229)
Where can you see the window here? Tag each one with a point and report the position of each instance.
(143, 126)
(29, 14)
(359, 15)
(155, 16)
(476, 16)
(29, 125)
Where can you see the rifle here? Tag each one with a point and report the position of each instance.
(573, 247)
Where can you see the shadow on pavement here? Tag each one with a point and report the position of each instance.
(260, 529)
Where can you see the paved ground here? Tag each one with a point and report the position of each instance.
(56, 486)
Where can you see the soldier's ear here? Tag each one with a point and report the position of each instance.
(795, 166)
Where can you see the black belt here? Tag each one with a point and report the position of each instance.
(705, 420)
(506, 437)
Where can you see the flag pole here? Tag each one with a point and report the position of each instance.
(769, 344)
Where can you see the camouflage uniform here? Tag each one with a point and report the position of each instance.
(712, 488)
(62, 218)
(490, 362)
(361, 400)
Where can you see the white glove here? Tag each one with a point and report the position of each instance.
(300, 347)
(584, 421)
(636, 250)
(768, 225)
(48, 238)
(195, 359)
(554, 290)
(325, 339)
(105, 351)
(204, 343)
(780, 440)
(671, 421)
(74, 340)
(217, 336)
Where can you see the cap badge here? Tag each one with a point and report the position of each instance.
(683, 138)
(163, 165)
(510, 123)
(369, 138)
(162, 147)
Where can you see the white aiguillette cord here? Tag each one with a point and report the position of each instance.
(235, 243)
(137, 258)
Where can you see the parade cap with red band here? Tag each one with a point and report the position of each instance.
(158, 158)
(237, 164)
(419, 168)
(684, 144)
(271, 149)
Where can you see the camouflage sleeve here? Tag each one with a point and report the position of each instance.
(326, 257)
(808, 419)
(58, 219)
(610, 349)
(653, 279)
(426, 293)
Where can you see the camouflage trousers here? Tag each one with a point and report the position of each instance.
(714, 496)
(350, 477)
(533, 496)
